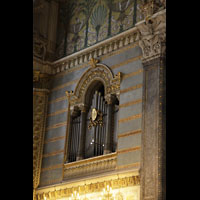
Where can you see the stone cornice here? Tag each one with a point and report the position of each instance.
(145, 32)
(42, 66)
(102, 48)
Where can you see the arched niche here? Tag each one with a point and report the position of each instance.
(97, 84)
(96, 73)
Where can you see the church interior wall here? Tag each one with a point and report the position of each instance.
(128, 62)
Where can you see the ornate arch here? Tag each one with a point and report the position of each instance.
(97, 72)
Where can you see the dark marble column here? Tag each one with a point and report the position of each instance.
(152, 42)
(153, 135)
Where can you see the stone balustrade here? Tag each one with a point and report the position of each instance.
(90, 166)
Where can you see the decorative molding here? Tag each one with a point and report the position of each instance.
(90, 166)
(130, 103)
(126, 134)
(63, 73)
(112, 67)
(128, 150)
(130, 88)
(42, 66)
(130, 118)
(98, 73)
(103, 48)
(52, 153)
(88, 188)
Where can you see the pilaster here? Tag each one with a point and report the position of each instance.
(152, 41)
(40, 99)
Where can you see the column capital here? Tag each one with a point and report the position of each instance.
(152, 33)
(110, 98)
(83, 108)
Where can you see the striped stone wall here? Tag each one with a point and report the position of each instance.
(127, 61)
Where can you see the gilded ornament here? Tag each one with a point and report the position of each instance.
(94, 114)
(96, 118)
(93, 62)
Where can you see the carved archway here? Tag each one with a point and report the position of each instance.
(97, 72)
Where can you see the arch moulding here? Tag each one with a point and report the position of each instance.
(97, 72)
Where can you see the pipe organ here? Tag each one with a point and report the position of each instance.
(93, 130)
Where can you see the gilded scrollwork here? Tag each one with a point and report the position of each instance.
(39, 112)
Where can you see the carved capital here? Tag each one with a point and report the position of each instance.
(152, 36)
(40, 98)
(83, 108)
(110, 98)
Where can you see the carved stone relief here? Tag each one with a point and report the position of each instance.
(152, 36)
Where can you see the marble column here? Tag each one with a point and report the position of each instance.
(152, 42)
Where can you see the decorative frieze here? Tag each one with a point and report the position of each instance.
(40, 97)
(88, 188)
(98, 50)
(90, 166)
